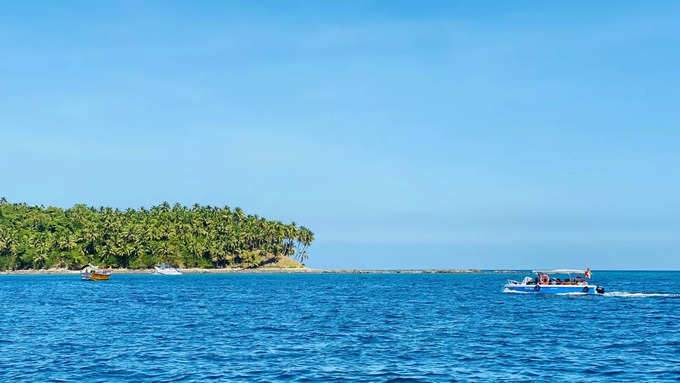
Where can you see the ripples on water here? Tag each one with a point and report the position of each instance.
(335, 328)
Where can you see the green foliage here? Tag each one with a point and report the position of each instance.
(34, 237)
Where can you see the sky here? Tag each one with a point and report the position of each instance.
(405, 134)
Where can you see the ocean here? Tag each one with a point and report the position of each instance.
(336, 327)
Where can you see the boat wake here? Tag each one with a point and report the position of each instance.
(624, 294)
(508, 291)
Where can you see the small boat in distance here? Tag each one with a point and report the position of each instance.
(574, 283)
(165, 269)
(93, 273)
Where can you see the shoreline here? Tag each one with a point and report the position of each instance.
(262, 270)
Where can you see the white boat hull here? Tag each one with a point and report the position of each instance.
(551, 289)
(167, 271)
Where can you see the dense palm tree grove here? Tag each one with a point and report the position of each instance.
(35, 237)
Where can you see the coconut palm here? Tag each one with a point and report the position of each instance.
(35, 236)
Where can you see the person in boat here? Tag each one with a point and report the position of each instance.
(558, 281)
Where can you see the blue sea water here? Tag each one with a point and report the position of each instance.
(336, 327)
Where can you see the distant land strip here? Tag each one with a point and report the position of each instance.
(269, 270)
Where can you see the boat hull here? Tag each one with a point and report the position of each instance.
(94, 277)
(170, 271)
(100, 277)
(551, 289)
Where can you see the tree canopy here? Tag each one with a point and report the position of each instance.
(36, 237)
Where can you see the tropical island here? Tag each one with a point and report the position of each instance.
(203, 237)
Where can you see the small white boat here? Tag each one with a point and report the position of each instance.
(165, 269)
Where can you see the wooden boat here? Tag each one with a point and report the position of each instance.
(93, 273)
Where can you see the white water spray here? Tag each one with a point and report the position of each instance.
(625, 294)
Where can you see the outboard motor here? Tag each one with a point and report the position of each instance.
(599, 290)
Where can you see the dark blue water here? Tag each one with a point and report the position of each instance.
(335, 328)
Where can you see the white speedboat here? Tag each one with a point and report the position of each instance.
(165, 269)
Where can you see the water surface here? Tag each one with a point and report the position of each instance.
(336, 327)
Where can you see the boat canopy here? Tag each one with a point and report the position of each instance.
(560, 271)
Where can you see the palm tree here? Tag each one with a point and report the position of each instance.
(35, 236)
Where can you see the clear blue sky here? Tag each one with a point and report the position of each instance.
(404, 134)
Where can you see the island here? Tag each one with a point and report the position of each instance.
(197, 238)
